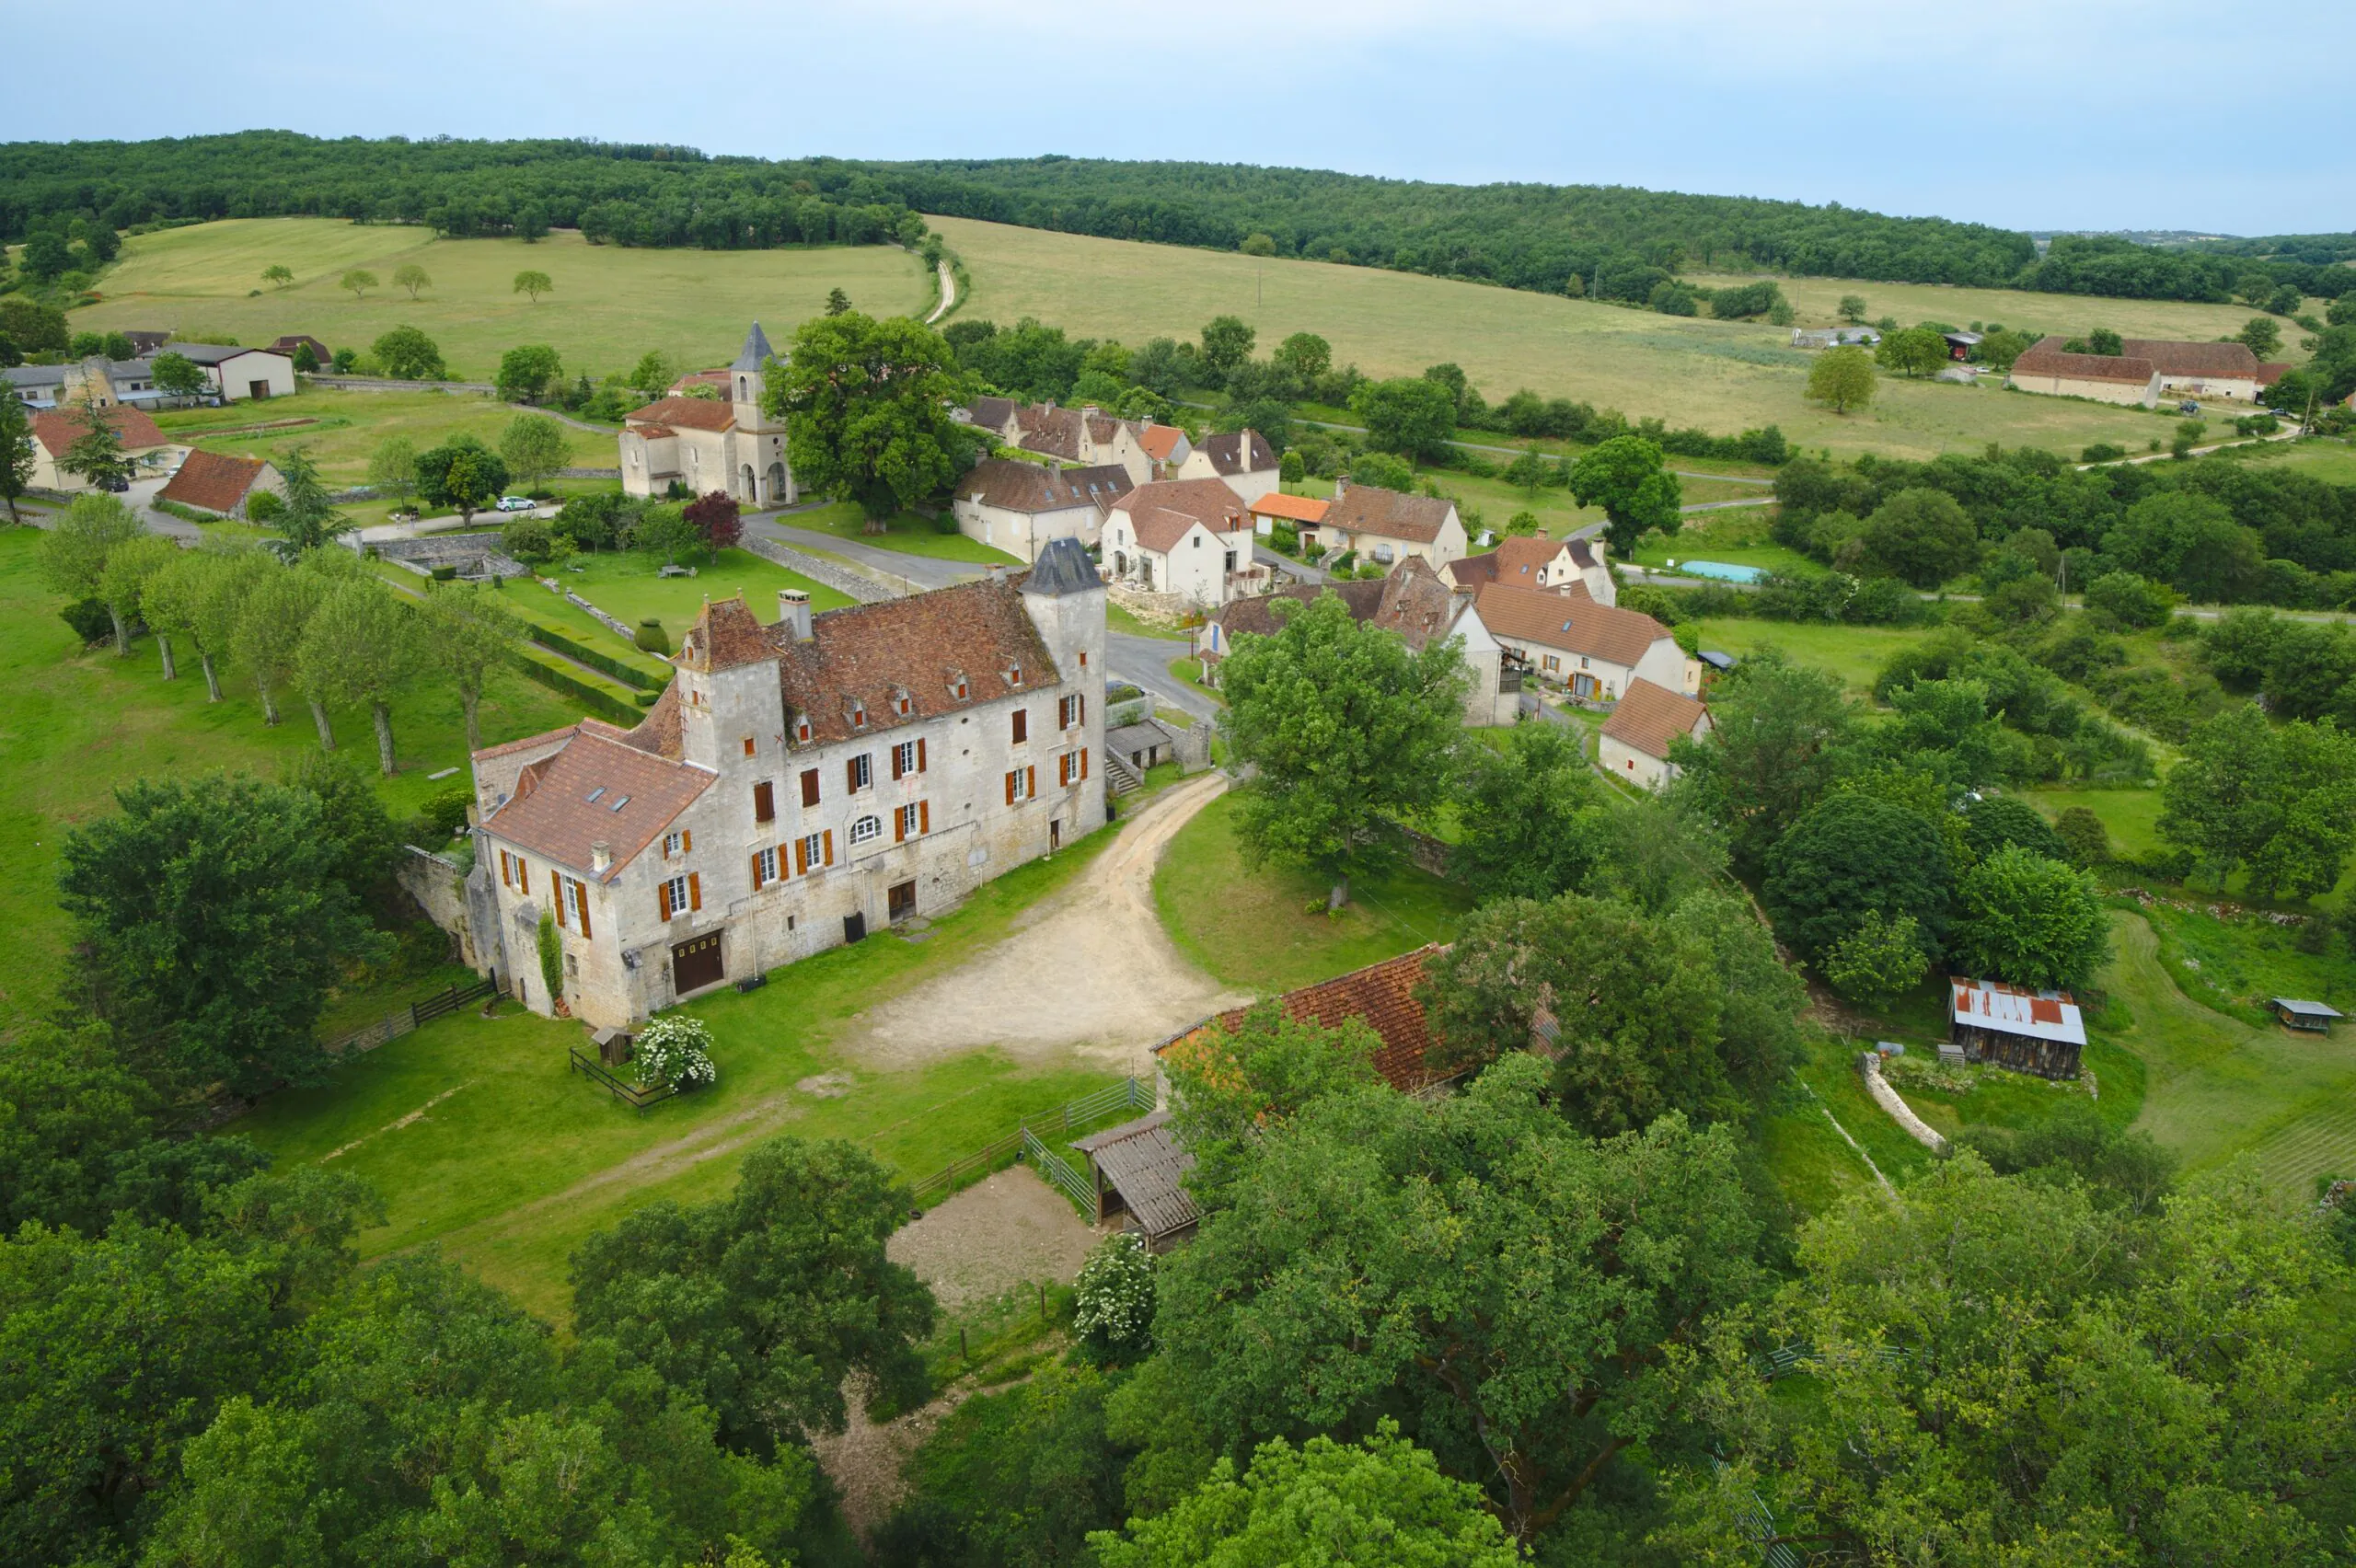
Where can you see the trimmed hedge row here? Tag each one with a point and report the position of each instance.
(605, 705)
(558, 643)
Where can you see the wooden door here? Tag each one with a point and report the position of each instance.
(696, 963)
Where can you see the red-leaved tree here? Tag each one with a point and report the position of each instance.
(715, 520)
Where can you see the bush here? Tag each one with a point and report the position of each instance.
(2121, 599)
(2101, 452)
(551, 959)
(529, 540)
(265, 507)
(446, 810)
(90, 620)
(2085, 839)
(674, 1051)
(1112, 1311)
(650, 638)
(1292, 468)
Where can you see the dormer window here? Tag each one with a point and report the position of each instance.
(858, 715)
(902, 703)
(1015, 675)
(802, 727)
(957, 688)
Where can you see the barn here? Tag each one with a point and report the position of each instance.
(2030, 1031)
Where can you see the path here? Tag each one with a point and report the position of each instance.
(948, 295)
(1090, 973)
(1517, 450)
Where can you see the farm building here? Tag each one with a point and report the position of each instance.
(2105, 378)
(2311, 1018)
(1139, 1170)
(1381, 996)
(1635, 741)
(221, 482)
(2030, 1031)
(1146, 743)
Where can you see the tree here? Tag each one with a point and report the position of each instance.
(46, 256)
(17, 454)
(1854, 308)
(2191, 541)
(1850, 857)
(2263, 334)
(837, 302)
(714, 518)
(361, 647)
(1842, 380)
(1915, 351)
(359, 280)
(269, 635)
(2104, 341)
(1384, 1501)
(411, 276)
(1304, 359)
(1348, 730)
(461, 474)
(97, 456)
(762, 1302)
(1530, 817)
(1526, 1370)
(1921, 536)
(359, 832)
(178, 374)
(311, 518)
(526, 372)
(1993, 821)
(277, 275)
(1113, 1299)
(2280, 802)
(2029, 921)
(405, 353)
(1382, 470)
(1780, 735)
(131, 566)
(654, 374)
(866, 405)
(471, 632)
(174, 604)
(1258, 245)
(1227, 342)
(2085, 842)
(392, 469)
(1625, 477)
(1408, 415)
(1878, 961)
(2121, 601)
(664, 531)
(34, 327)
(534, 446)
(215, 927)
(535, 283)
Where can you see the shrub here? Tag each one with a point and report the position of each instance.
(551, 959)
(2085, 839)
(650, 638)
(529, 540)
(674, 1051)
(1292, 467)
(265, 507)
(89, 619)
(446, 810)
(2102, 452)
(1112, 1312)
(2121, 599)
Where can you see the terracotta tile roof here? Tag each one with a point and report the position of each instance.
(1473, 571)
(526, 744)
(2227, 359)
(717, 378)
(1103, 428)
(920, 646)
(213, 481)
(724, 636)
(1367, 508)
(1034, 487)
(1381, 996)
(290, 342)
(58, 429)
(1162, 510)
(1299, 508)
(696, 413)
(1415, 603)
(1256, 615)
(1649, 716)
(2270, 373)
(991, 414)
(2042, 361)
(1520, 557)
(1568, 623)
(1048, 430)
(1228, 454)
(659, 732)
(655, 432)
(1160, 440)
(595, 790)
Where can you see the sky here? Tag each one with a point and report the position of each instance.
(2030, 114)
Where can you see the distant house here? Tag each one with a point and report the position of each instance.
(1085, 435)
(702, 445)
(235, 375)
(291, 341)
(1536, 562)
(1304, 512)
(2105, 378)
(1190, 537)
(1635, 739)
(1595, 652)
(1961, 344)
(1242, 460)
(2030, 1031)
(1018, 507)
(2226, 370)
(1381, 996)
(2312, 1018)
(221, 483)
(1833, 337)
(1139, 1170)
(1386, 526)
(145, 343)
(56, 430)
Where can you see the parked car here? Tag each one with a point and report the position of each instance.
(515, 503)
(2187, 407)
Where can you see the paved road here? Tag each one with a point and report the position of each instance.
(1285, 564)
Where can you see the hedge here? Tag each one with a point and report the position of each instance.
(558, 643)
(603, 704)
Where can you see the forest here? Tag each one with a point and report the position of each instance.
(1611, 241)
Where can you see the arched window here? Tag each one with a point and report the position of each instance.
(742, 393)
(866, 828)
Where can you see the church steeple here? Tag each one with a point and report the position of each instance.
(745, 376)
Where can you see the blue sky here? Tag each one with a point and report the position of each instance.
(2061, 114)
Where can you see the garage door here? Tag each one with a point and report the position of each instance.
(696, 964)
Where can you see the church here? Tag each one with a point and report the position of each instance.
(703, 444)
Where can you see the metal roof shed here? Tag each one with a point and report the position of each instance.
(2313, 1017)
(1140, 1169)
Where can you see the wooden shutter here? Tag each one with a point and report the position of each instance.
(899, 824)
(1009, 786)
(1082, 700)
(663, 899)
(1063, 769)
(695, 891)
(556, 890)
(924, 816)
(784, 861)
(801, 857)
(756, 870)
(686, 842)
(583, 888)
(851, 775)
(763, 801)
(1031, 783)
(666, 845)
(895, 764)
(919, 754)
(1022, 723)
(523, 876)
(829, 844)
(1083, 762)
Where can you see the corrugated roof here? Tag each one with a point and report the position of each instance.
(1142, 1161)
(1649, 716)
(2042, 1015)
(2306, 1010)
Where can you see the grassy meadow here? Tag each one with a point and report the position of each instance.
(345, 427)
(611, 304)
(1721, 376)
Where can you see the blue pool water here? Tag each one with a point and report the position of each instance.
(1722, 571)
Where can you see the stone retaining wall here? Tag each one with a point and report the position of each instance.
(1889, 1099)
(861, 589)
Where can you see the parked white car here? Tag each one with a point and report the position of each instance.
(517, 503)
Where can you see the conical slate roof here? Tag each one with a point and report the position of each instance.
(757, 351)
(1063, 567)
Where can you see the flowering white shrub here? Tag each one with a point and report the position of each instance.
(1114, 1312)
(674, 1052)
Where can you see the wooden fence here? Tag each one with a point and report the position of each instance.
(629, 1093)
(1129, 1094)
(394, 1025)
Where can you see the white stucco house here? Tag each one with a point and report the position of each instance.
(1242, 460)
(1386, 526)
(1018, 507)
(1536, 562)
(1594, 652)
(1635, 741)
(1188, 537)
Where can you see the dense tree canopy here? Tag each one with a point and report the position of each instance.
(866, 406)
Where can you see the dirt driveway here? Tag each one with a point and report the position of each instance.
(1088, 972)
(1005, 1232)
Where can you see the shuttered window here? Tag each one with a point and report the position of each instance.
(809, 787)
(860, 771)
(578, 891)
(675, 897)
(1021, 724)
(911, 821)
(763, 801)
(764, 868)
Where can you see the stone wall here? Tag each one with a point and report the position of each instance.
(1171, 608)
(863, 590)
(433, 881)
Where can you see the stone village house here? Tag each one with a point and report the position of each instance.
(1086, 436)
(705, 444)
(796, 786)
(1018, 507)
(1595, 652)
(1536, 562)
(1188, 537)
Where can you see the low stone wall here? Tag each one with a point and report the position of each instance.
(1889, 1099)
(588, 473)
(614, 623)
(385, 384)
(1172, 607)
(476, 556)
(433, 881)
(863, 589)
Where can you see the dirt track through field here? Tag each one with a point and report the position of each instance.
(1088, 972)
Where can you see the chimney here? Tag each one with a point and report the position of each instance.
(1089, 411)
(1340, 485)
(601, 857)
(793, 608)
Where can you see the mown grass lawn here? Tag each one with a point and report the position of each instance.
(1267, 931)
(1855, 654)
(485, 1144)
(75, 724)
(349, 426)
(906, 532)
(2131, 817)
(629, 584)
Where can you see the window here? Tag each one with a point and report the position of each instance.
(912, 821)
(676, 843)
(1583, 661)
(1382, 553)
(764, 868)
(1021, 784)
(576, 894)
(1072, 766)
(748, 745)
(859, 716)
(860, 771)
(1070, 711)
(866, 828)
(679, 895)
(1021, 724)
(809, 787)
(908, 757)
(801, 727)
(1083, 658)
(903, 703)
(813, 849)
(763, 801)
(506, 870)
(1015, 675)
(1553, 663)
(957, 688)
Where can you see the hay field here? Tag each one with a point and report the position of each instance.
(1722, 375)
(610, 306)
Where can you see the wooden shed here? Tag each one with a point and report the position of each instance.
(1139, 1169)
(2312, 1018)
(2028, 1032)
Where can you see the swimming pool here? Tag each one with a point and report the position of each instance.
(1721, 570)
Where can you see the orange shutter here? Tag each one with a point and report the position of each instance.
(1009, 786)
(584, 909)
(523, 876)
(830, 846)
(851, 775)
(919, 754)
(756, 870)
(801, 857)
(695, 891)
(1083, 762)
(895, 763)
(663, 899)
(1030, 782)
(686, 842)
(924, 816)
(556, 890)
(899, 826)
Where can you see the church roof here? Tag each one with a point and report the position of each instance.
(1063, 567)
(756, 352)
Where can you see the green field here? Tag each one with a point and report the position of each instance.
(1816, 301)
(2131, 817)
(1855, 654)
(348, 427)
(2330, 459)
(1722, 375)
(73, 724)
(611, 304)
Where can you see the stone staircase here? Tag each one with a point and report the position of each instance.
(1120, 778)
